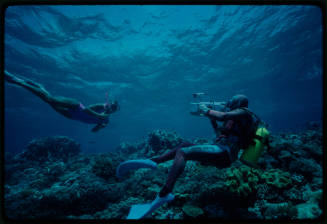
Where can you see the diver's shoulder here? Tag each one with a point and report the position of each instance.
(240, 110)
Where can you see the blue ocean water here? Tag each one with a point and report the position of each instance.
(151, 59)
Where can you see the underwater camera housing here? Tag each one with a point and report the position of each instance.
(198, 99)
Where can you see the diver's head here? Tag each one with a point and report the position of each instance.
(112, 106)
(238, 101)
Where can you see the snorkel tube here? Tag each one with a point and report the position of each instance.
(106, 104)
(112, 106)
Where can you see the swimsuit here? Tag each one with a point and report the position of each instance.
(80, 114)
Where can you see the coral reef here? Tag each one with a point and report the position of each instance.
(161, 139)
(310, 209)
(243, 180)
(103, 166)
(51, 179)
(277, 178)
(52, 148)
(192, 211)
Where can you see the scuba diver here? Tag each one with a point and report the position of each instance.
(71, 108)
(238, 131)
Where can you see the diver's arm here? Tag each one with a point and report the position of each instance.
(214, 124)
(222, 116)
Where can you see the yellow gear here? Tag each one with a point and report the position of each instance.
(250, 155)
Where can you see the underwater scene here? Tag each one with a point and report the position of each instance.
(179, 112)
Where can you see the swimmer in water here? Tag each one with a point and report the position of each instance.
(97, 114)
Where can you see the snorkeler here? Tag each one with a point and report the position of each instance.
(236, 134)
(71, 108)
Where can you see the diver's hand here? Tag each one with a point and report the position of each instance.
(203, 109)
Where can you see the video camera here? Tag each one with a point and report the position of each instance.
(214, 105)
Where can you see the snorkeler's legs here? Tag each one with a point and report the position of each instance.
(11, 78)
(170, 154)
(35, 88)
(60, 101)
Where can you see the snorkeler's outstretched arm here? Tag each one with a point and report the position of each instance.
(98, 115)
(98, 107)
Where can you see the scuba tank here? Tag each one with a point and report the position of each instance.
(251, 154)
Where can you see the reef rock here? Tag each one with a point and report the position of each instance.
(50, 149)
(52, 179)
(160, 139)
(192, 211)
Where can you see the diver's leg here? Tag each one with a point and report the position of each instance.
(210, 154)
(203, 153)
(130, 165)
(170, 154)
(176, 170)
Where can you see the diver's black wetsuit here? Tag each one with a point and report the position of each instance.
(234, 137)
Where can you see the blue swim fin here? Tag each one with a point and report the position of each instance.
(140, 211)
(127, 166)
